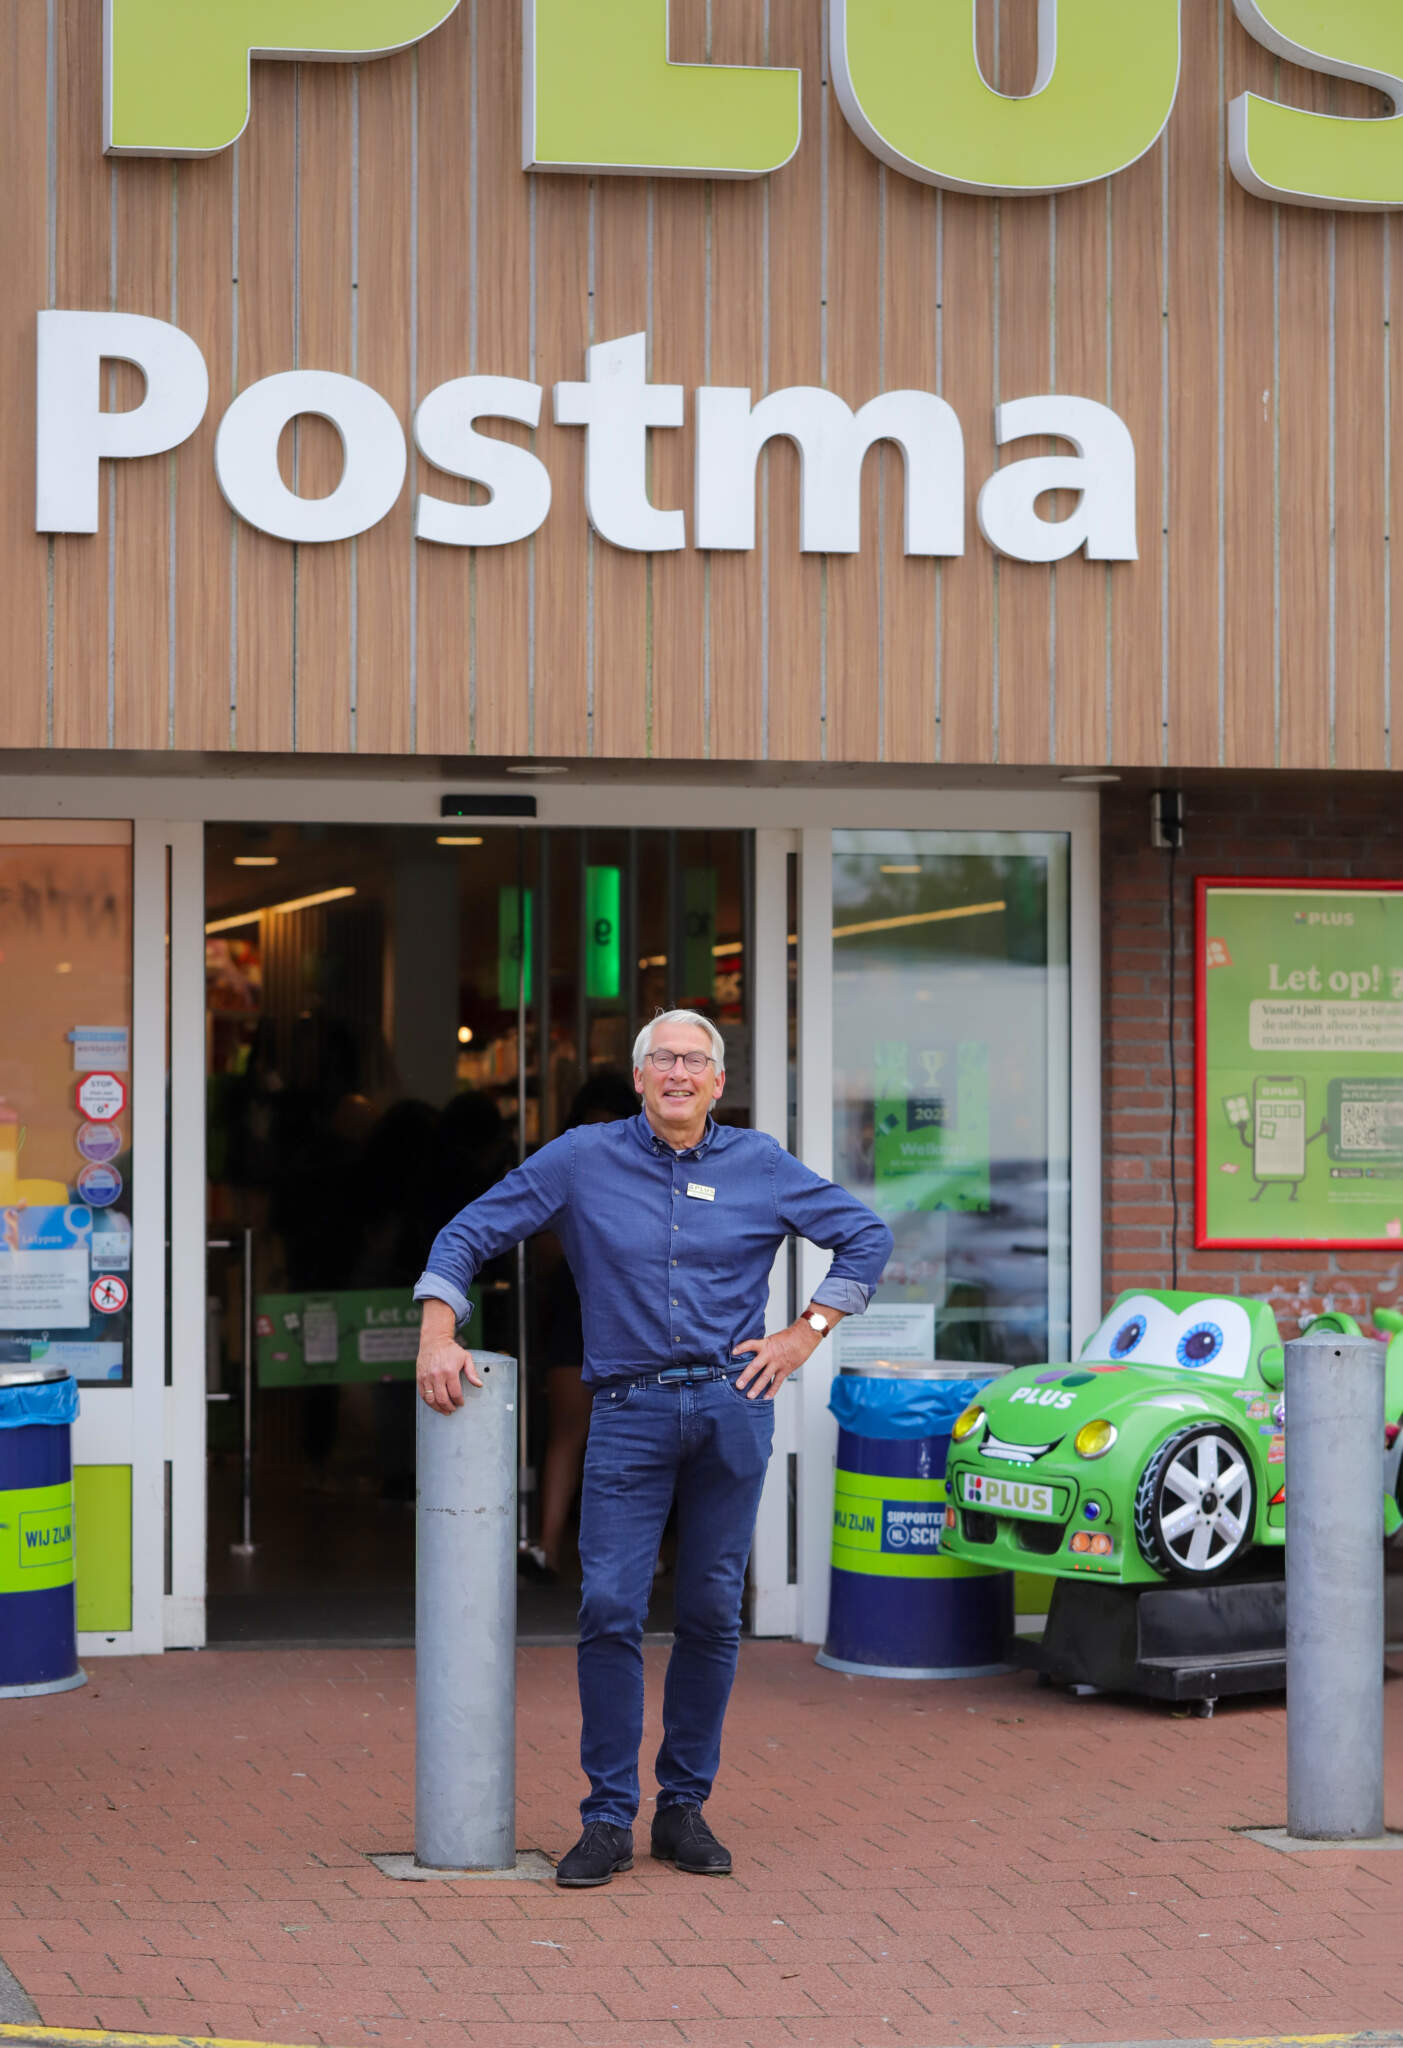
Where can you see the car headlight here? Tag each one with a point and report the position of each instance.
(967, 1423)
(1094, 1439)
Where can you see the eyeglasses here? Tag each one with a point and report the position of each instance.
(694, 1062)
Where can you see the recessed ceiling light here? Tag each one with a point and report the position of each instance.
(537, 768)
(1093, 776)
(454, 839)
(892, 868)
(255, 860)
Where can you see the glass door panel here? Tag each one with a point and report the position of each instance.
(951, 1083)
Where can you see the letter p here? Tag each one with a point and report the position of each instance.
(177, 71)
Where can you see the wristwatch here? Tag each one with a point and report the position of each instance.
(818, 1322)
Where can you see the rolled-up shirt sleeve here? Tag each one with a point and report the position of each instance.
(529, 1199)
(828, 1216)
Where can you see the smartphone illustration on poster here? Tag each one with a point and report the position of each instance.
(1279, 1127)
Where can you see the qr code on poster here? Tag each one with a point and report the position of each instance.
(1371, 1126)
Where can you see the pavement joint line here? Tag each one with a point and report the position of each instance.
(83, 2037)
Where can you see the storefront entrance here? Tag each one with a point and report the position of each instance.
(394, 1019)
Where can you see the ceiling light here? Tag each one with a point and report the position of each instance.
(229, 924)
(255, 860)
(450, 839)
(891, 924)
(465, 1035)
(537, 768)
(1092, 777)
(891, 868)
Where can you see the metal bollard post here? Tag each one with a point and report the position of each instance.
(465, 1628)
(1334, 1588)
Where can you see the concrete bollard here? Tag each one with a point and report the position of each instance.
(465, 1627)
(1334, 1588)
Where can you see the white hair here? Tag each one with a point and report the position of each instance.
(642, 1045)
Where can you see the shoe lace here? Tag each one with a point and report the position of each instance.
(692, 1827)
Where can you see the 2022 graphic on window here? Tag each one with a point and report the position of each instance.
(1300, 1063)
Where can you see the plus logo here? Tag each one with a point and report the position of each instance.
(177, 71)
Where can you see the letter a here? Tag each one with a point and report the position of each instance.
(908, 79)
(1323, 159)
(178, 70)
(600, 93)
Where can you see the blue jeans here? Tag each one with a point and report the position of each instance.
(707, 1446)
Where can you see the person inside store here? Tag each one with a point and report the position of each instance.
(605, 1098)
(671, 1223)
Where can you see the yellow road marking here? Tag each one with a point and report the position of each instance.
(97, 2039)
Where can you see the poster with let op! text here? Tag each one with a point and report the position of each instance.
(1299, 1064)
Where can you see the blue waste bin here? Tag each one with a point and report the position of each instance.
(898, 1608)
(38, 1628)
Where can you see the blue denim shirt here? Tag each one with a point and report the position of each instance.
(671, 1251)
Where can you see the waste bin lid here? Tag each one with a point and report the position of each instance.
(924, 1369)
(32, 1375)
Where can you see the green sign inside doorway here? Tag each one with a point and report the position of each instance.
(513, 939)
(603, 933)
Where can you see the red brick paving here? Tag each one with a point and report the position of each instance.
(185, 1849)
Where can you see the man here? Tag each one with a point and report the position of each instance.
(670, 1223)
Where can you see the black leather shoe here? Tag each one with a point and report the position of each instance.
(682, 1837)
(600, 1851)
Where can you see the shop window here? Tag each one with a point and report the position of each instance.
(951, 1110)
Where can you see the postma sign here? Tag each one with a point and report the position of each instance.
(601, 92)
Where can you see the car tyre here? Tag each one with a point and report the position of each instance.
(1195, 1506)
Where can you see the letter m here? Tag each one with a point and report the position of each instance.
(832, 441)
(177, 71)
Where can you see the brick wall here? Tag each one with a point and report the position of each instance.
(1315, 826)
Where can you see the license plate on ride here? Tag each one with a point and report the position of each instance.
(1007, 1496)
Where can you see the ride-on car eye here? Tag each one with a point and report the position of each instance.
(1200, 1345)
(1127, 1337)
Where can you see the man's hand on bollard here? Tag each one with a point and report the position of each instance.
(443, 1363)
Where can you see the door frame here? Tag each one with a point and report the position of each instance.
(169, 813)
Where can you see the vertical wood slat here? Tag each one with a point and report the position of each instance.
(384, 273)
(798, 662)
(1078, 720)
(80, 574)
(564, 549)
(264, 679)
(1138, 346)
(203, 522)
(1026, 228)
(502, 576)
(622, 306)
(910, 289)
(738, 658)
(1253, 403)
(1306, 313)
(1361, 513)
(324, 649)
(1194, 512)
(679, 318)
(967, 695)
(23, 177)
(855, 368)
(141, 538)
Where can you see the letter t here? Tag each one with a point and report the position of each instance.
(616, 406)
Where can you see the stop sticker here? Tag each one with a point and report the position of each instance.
(102, 1097)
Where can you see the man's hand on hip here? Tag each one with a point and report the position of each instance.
(443, 1363)
(775, 1359)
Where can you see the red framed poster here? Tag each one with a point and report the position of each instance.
(1298, 1064)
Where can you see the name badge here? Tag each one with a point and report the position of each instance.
(700, 1194)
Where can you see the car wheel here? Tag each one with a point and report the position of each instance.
(1195, 1506)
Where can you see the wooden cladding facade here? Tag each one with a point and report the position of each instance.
(375, 220)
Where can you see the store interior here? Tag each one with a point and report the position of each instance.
(395, 1017)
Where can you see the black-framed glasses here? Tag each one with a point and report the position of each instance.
(694, 1062)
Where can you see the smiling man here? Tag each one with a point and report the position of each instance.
(671, 1223)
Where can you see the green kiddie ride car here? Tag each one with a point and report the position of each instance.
(1159, 1455)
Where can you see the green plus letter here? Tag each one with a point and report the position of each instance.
(177, 70)
(909, 82)
(1323, 159)
(602, 95)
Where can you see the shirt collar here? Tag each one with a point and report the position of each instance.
(648, 1136)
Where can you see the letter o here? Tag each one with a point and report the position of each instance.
(373, 449)
(1339, 981)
